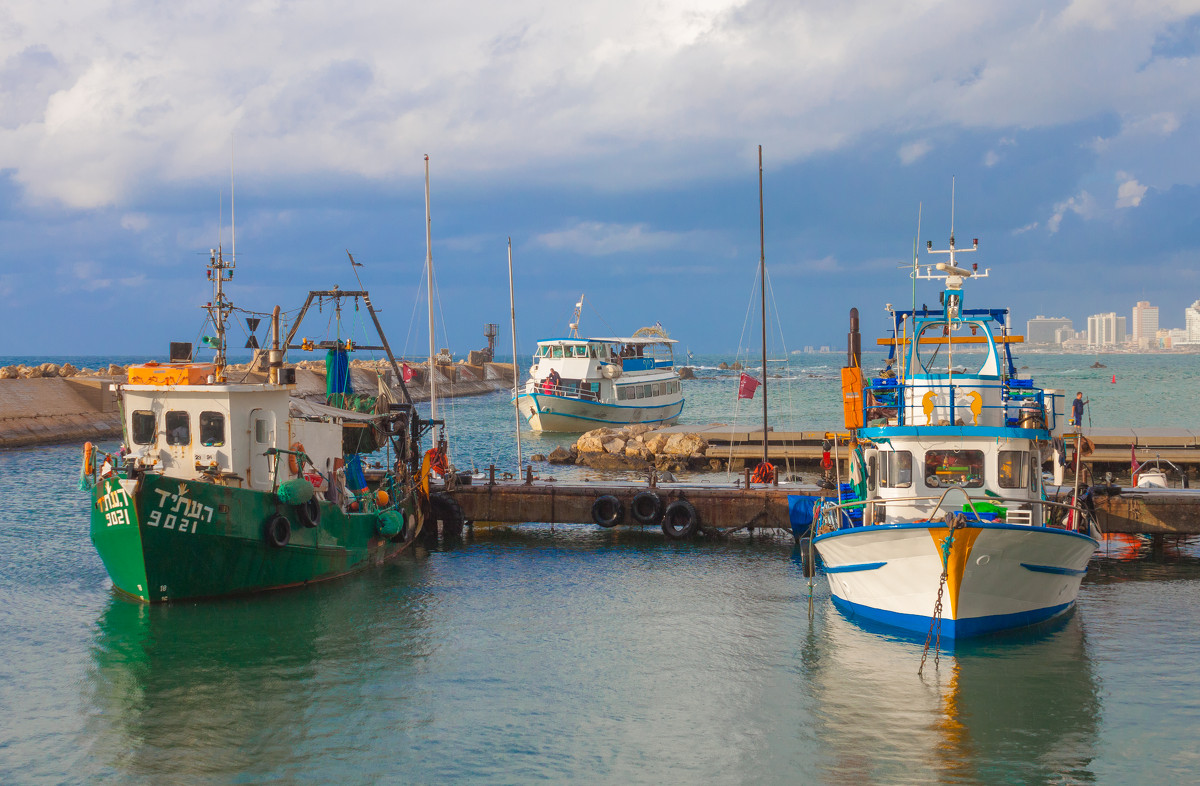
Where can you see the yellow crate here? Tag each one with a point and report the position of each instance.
(173, 374)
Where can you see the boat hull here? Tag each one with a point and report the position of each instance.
(547, 412)
(166, 539)
(999, 576)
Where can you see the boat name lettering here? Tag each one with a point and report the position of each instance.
(117, 498)
(184, 515)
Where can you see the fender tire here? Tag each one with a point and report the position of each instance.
(680, 520)
(309, 513)
(447, 509)
(277, 531)
(646, 507)
(607, 511)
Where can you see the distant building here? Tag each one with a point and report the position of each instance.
(1108, 330)
(1044, 330)
(1191, 323)
(1144, 325)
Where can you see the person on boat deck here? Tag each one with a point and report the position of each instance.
(1077, 409)
(550, 384)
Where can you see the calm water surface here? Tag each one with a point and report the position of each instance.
(570, 654)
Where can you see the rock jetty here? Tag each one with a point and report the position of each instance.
(638, 447)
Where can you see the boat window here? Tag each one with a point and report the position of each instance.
(179, 430)
(933, 351)
(1012, 468)
(143, 427)
(212, 429)
(558, 352)
(658, 389)
(262, 431)
(871, 465)
(895, 469)
(944, 468)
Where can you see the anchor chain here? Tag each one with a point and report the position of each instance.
(935, 623)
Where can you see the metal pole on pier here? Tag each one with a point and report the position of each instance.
(762, 277)
(429, 269)
(512, 307)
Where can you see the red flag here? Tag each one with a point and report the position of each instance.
(746, 386)
(406, 372)
(1134, 466)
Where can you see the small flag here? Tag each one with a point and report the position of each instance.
(405, 372)
(1134, 466)
(746, 386)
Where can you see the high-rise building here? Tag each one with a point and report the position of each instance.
(1144, 325)
(1107, 330)
(1042, 330)
(1191, 323)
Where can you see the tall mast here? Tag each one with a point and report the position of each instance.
(512, 306)
(429, 269)
(762, 278)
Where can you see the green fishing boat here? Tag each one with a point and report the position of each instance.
(230, 486)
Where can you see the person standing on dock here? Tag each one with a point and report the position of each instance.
(1077, 409)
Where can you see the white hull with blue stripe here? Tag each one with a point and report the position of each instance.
(565, 414)
(999, 576)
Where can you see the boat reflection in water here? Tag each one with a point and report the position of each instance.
(247, 689)
(1018, 708)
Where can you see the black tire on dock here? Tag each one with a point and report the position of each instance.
(309, 512)
(646, 507)
(277, 531)
(607, 511)
(680, 520)
(447, 509)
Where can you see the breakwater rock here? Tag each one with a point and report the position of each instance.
(637, 447)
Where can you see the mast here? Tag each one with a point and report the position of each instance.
(762, 278)
(429, 270)
(512, 307)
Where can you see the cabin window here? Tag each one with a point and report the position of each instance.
(212, 429)
(143, 427)
(558, 352)
(658, 389)
(646, 391)
(179, 430)
(871, 467)
(262, 431)
(620, 394)
(945, 468)
(1012, 468)
(895, 469)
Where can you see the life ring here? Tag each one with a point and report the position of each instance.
(763, 473)
(607, 511)
(309, 513)
(89, 459)
(680, 520)
(646, 507)
(445, 508)
(277, 531)
(293, 463)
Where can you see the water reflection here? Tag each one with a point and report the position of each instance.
(1022, 708)
(243, 687)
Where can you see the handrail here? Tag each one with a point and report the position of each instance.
(836, 510)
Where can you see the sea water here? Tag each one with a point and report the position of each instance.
(570, 653)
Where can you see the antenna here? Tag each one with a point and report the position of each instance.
(232, 215)
(574, 323)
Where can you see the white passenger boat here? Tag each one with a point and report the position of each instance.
(947, 526)
(578, 384)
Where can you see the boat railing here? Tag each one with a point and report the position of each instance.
(855, 513)
(569, 390)
(1022, 405)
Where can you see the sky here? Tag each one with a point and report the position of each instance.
(616, 143)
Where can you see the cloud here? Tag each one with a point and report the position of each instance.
(595, 238)
(1028, 228)
(135, 222)
(914, 150)
(1081, 205)
(1130, 191)
(130, 98)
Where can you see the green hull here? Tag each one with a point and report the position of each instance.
(169, 539)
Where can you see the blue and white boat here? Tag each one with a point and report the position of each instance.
(948, 527)
(579, 384)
